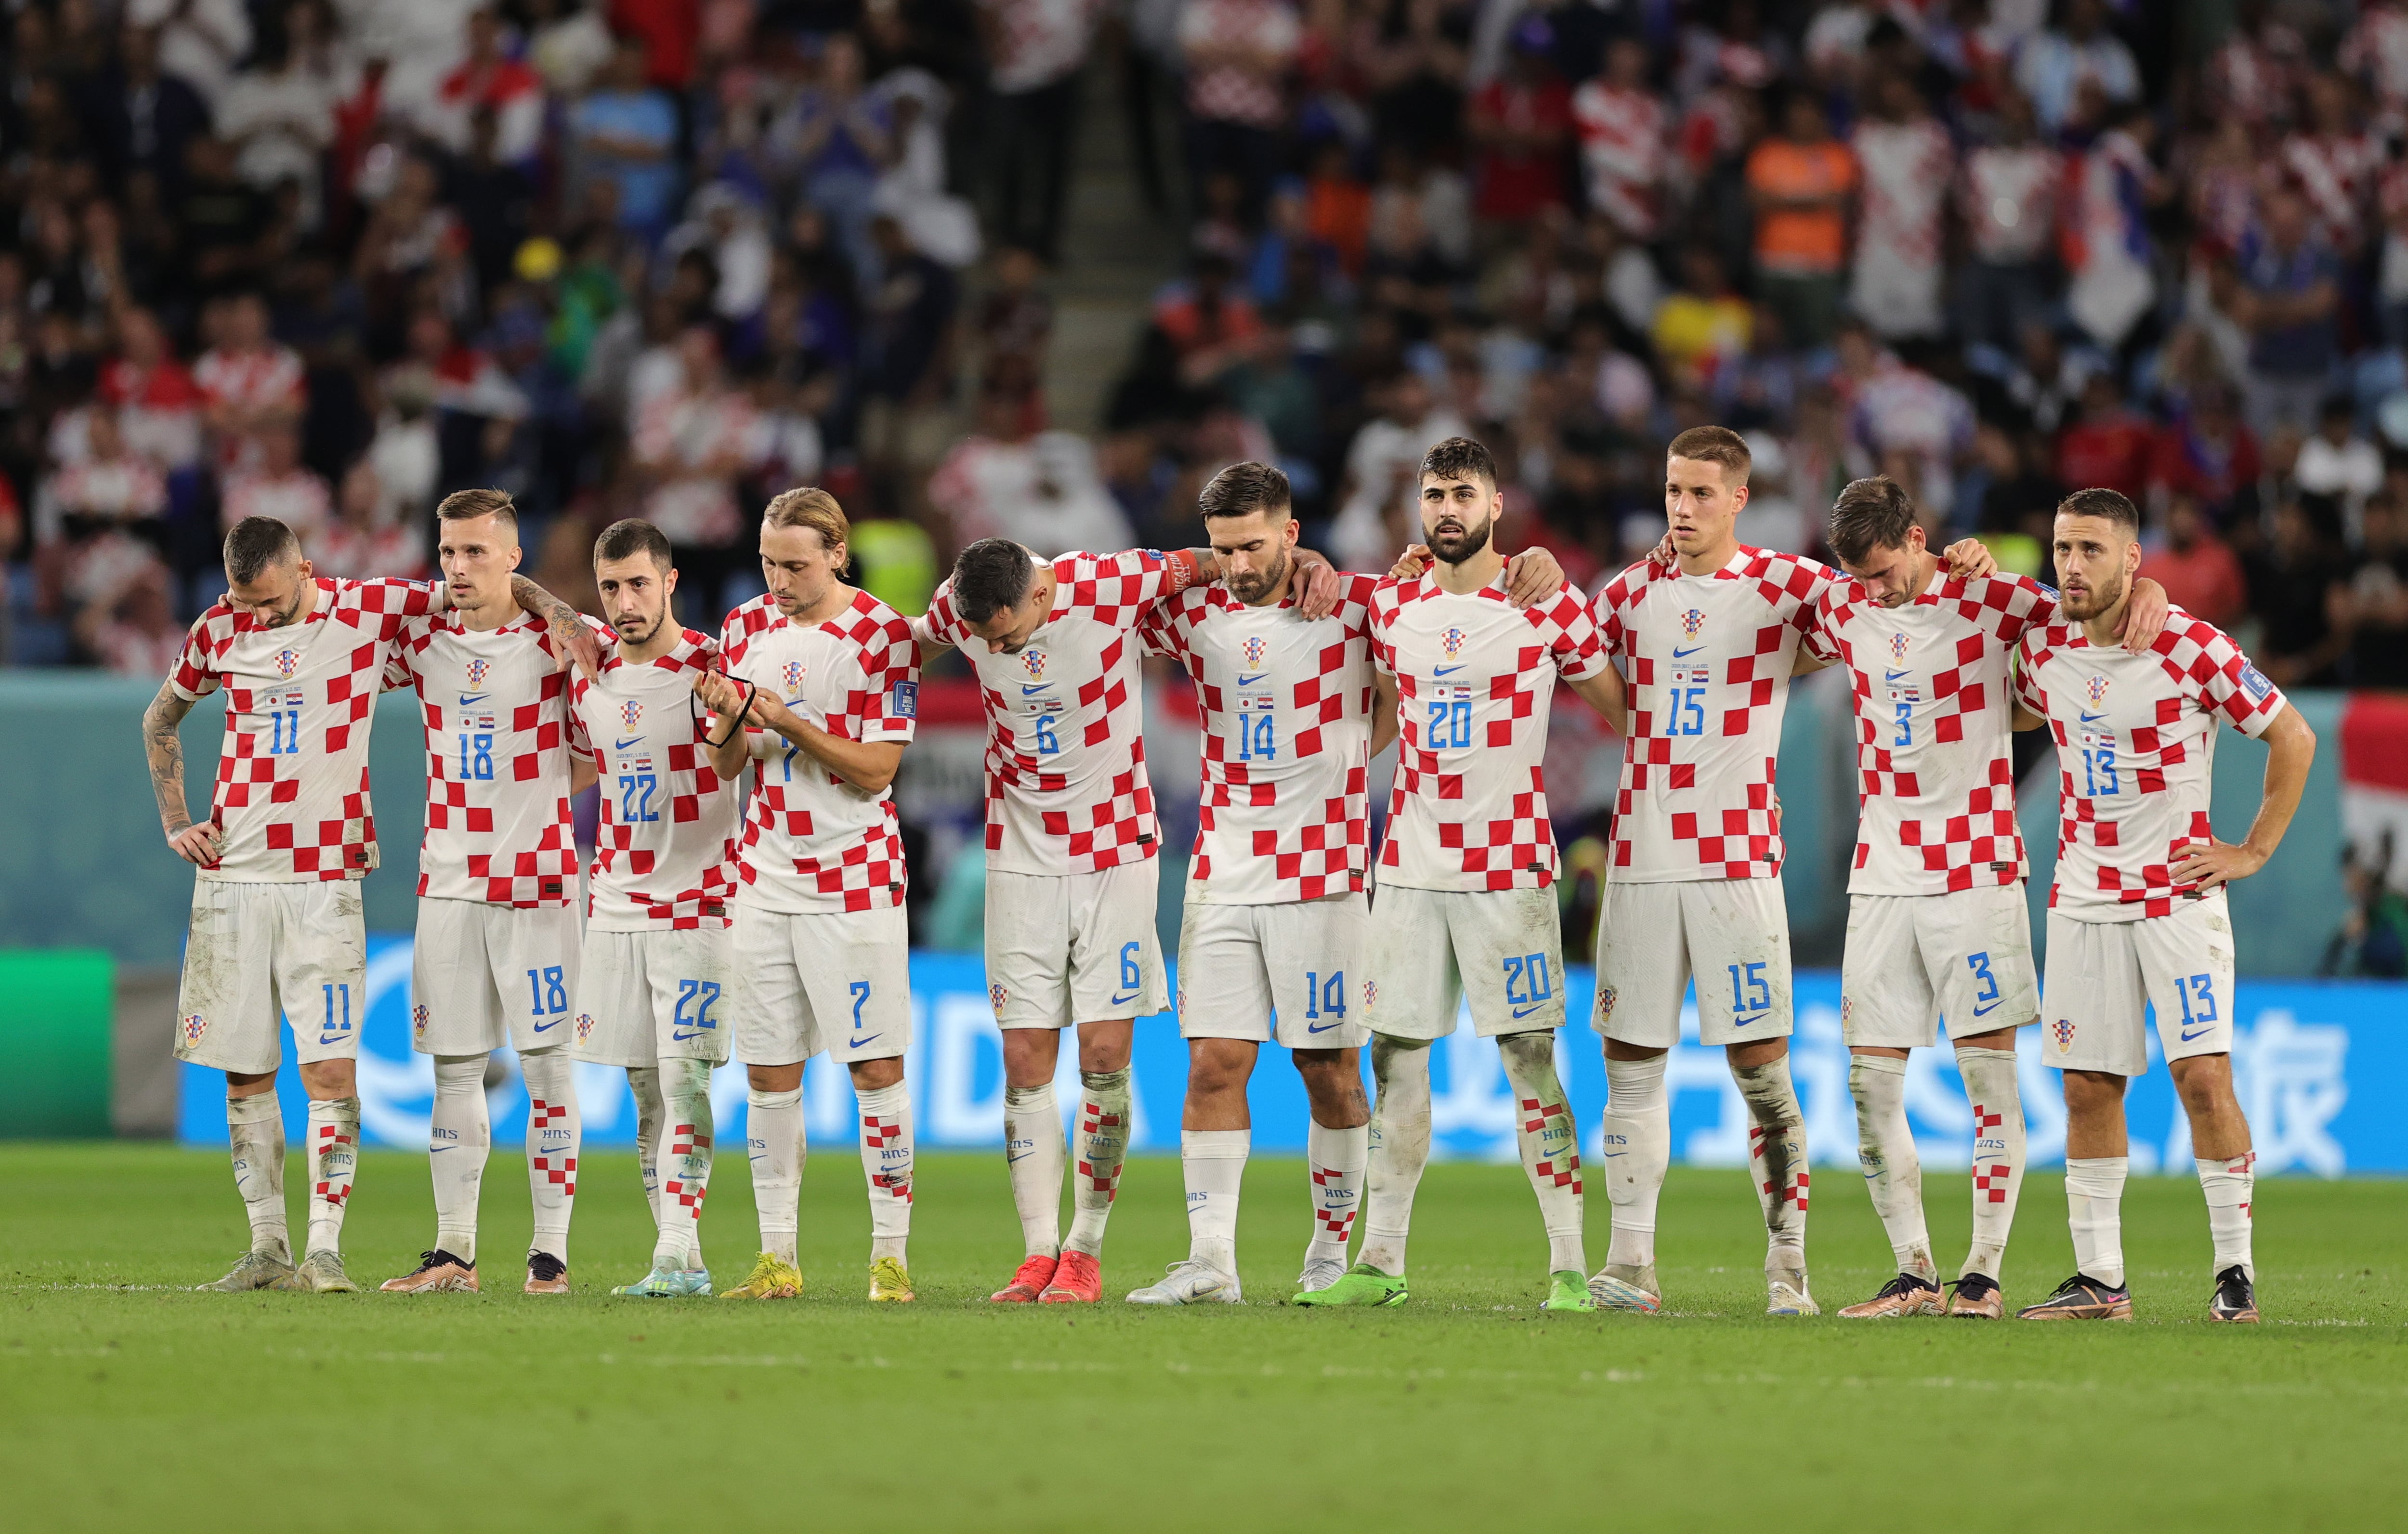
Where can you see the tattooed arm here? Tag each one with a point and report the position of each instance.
(165, 749)
(569, 634)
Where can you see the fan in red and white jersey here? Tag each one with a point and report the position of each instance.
(2137, 917)
(496, 959)
(1466, 909)
(248, 382)
(652, 982)
(1070, 840)
(1937, 924)
(1708, 646)
(276, 929)
(827, 679)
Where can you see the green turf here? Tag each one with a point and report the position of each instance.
(131, 1406)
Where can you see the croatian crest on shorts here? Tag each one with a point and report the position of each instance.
(1897, 647)
(1033, 662)
(1605, 1001)
(1371, 993)
(630, 711)
(1451, 642)
(418, 1016)
(998, 995)
(1847, 1006)
(1691, 621)
(2062, 1031)
(287, 662)
(585, 1026)
(193, 1025)
(1254, 650)
(2098, 691)
(792, 677)
(476, 669)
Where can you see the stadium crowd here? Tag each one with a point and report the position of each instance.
(329, 259)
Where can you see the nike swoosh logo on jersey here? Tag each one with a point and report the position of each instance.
(2190, 1034)
(1610, 1155)
(1249, 682)
(1119, 1001)
(628, 744)
(1743, 1021)
(1322, 1027)
(681, 1036)
(1680, 654)
(547, 1027)
(1028, 689)
(857, 1043)
(1524, 1011)
(469, 700)
(1894, 676)
(2094, 719)
(1985, 1012)
(1446, 670)
(334, 1038)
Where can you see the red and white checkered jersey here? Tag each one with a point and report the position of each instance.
(499, 735)
(1067, 790)
(2136, 750)
(271, 374)
(1282, 814)
(664, 852)
(1708, 660)
(1475, 678)
(1935, 728)
(291, 800)
(813, 843)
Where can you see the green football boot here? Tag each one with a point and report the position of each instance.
(1568, 1291)
(1361, 1284)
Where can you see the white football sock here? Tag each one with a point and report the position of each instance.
(459, 1137)
(1213, 1161)
(334, 1157)
(1032, 1147)
(1638, 1122)
(1335, 1157)
(685, 1163)
(1998, 1153)
(1103, 1145)
(1544, 1133)
(886, 1163)
(644, 1085)
(256, 1137)
(1777, 1156)
(1886, 1150)
(2093, 1209)
(2230, 1186)
(555, 1135)
(774, 1140)
(1398, 1149)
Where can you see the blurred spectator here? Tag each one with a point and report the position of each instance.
(1039, 488)
(2336, 462)
(149, 113)
(1239, 53)
(1703, 325)
(1520, 121)
(624, 136)
(2053, 67)
(279, 114)
(1622, 135)
(2107, 444)
(692, 443)
(569, 44)
(2007, 193)
(363, 539)
(1801, 185)
(2209, 455)
(201, 40)
(488, 79)
(1037, 49)
(158, 405)
(250, 384)
(2372, 605)
(1375, 516)
(1907, 164)
(2291, 590)
(2287, 299)
(2199, 569)
(131, 628)
(2112, 186)
(834, 141)
(277, 484)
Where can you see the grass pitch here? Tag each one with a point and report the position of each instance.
(132, 1406)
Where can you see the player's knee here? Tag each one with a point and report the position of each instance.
(876, 1075)
(2204, 1083)
(329, 1079)
(1333, 1080)
(774, 1078)
(1212, 1072)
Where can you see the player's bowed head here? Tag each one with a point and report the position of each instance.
(636, 576)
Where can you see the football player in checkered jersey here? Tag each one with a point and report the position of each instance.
(1070, 877)
(825, 679)
(1937, 922)
(1465, 906)
(1274, 936)
(651, 987)
(1707, 641)
(495, 958)
(2138, 918)
(276, 929)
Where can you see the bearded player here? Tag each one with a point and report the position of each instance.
(275, 929)
(1937, 921)
(1465, 906)
(2138, 916)
(1708, 643)
(825, 679)
(653, 988)
(495, 963)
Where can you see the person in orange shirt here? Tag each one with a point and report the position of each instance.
(1802, 186)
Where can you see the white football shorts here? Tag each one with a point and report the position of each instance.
(483, 976)
(2101, 976)
(1913, 959)
(1073, 947)
(647, 996)
(258, 954)
(1732, 934)
(836, 983)
(1432, 949)
(1288, 974)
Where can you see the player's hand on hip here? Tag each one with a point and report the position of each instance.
(197, 844)
(1322, 585)
(1970, 559)
(1412, 562)
(2208, 864)
(1532, 577)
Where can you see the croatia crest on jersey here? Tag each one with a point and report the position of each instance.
(1897, 647)
(1371, 993)
(630, 711)
(2098, 691)
(1033, 662)
(418, 1019)
(996, 996)
(1256, 649)
(1691, 621)
(478, 667)
(792, 677)
(1605, 996)
(2062, 1031)
(1451, 642)
(585, 1026)
(287, 662)
(193, 1025)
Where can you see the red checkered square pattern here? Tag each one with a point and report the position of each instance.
(1563, 1171)
(1475, 678)
(812, 842)
(331, 1154)
(558, 1171)
(292, 795)
(1796, 1191)
(1335, 1224)
(1934, 729)
(2136, 745)
(683, 1142)
(1067, 790)
(664, 850)
(1282, 814)
(1708, 660)
(499, 735)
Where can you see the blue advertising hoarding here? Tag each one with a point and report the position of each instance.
(2298, 1047)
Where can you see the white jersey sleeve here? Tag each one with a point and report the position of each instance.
(812, 842)
(2136, 753)
(665, 853)
(1475, 683)
(292, 797)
